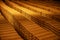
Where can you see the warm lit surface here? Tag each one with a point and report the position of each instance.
(29, 22)
(7, 32)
